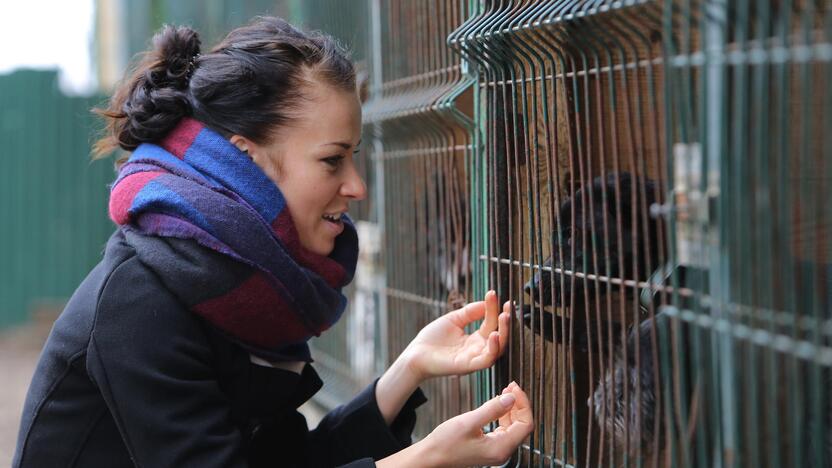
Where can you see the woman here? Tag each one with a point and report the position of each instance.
(186, 345)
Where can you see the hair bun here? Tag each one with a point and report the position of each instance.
(175, 49)
(156, 96)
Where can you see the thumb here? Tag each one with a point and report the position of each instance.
(490, 410)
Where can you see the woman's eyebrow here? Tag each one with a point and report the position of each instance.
(341, 144)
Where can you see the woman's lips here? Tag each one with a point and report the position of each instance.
(335, 227)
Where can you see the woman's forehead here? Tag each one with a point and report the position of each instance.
(334, 116)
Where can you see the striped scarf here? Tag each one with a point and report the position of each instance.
(196, 185)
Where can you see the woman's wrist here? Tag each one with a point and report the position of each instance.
(395, 387)
(420, 454)
(409, 361)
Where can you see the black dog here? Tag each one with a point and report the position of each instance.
(613, 257)
(628, 252)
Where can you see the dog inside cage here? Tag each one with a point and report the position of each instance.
(606, 234)
(601, 236)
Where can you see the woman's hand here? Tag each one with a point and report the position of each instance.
(460, 441)
(443, 347)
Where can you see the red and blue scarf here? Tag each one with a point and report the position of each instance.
(271, 295)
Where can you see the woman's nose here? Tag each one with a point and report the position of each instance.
(354, 187)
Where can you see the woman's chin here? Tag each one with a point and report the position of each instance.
(322, 247)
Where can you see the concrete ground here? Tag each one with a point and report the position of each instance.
(19, 350)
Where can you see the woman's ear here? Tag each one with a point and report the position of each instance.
(259, 155)
(242, 143)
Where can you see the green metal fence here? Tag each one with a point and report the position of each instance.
(749, 110)
(54, 200)
(712, 101)
(652, 163)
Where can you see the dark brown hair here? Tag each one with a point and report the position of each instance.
(248, 84)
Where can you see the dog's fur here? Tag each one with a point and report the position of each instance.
(614, 260)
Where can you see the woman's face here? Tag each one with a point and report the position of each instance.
(312, 161)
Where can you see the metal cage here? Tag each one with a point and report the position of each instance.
(647, 180)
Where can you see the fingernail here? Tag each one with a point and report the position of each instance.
(507, 399)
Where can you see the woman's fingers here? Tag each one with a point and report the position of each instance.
(502, 327)
(515, 425)
(488, 310)
(491, 311)
(462, 436)
(505, 420)
(469, 313)
(521, 414)
(511, 408)
(491, 410)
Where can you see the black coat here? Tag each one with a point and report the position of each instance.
(129, 377)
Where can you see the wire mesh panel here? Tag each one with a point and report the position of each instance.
(655, 176)
(748, 140)
(419, 116)
(647, 180)
(414, 227)
(573, 163)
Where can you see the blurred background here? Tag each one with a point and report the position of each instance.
(489, 127)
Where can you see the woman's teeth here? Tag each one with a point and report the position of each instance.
(332, 218)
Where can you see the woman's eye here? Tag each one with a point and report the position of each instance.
(333, 161)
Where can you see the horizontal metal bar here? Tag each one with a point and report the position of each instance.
(415, 107)
(592, 71)
(800, 349)
(821, 52)
(590, 276)
(546, 456)
(404, 295)
(388, 85)
(818, 52)
(593, 11)
(395, 154)
(777, 318)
